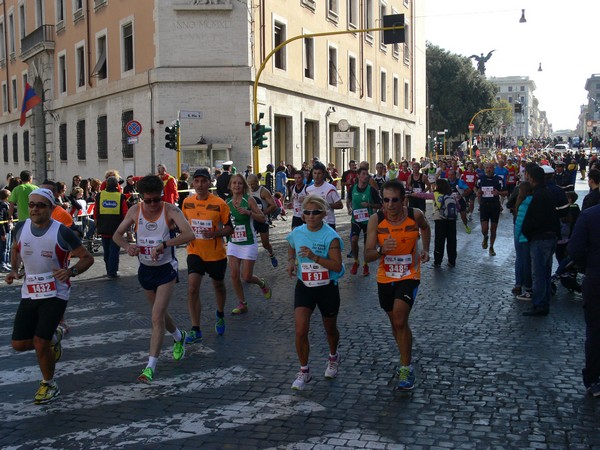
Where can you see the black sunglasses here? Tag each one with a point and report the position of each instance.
(148, 201)
(393, 200)
(314, 212)
(38, 205)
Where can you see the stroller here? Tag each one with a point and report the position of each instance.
(567, 273)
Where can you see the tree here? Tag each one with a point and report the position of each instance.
(456, 92)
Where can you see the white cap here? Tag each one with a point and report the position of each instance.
(228, 163)
(44, 193)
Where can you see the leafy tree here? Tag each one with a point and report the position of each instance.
(456, 92)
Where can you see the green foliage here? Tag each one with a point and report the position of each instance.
(457, 92)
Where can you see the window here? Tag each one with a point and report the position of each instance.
(310, 4)
(383, 87)
(60, 11)
(406, 43)
(406, 96)
(11, 35)
(395, 46)
(510, 99)
(353, 19)
(369, 19)
(81, 140)
(80, 66)
(15, 139)
(309, 58)
(39, 13)
(332, 78)
(15, 94)
(22, 21)
(523, 100)
(102, 137)
(352, 73)
(62, 74)
(26, 146)
(4, 97)
(522, 88)
(126, 148)
(5, 147)
(100, 67)
(62, 141)
(2, 43)
(332, 10)
(279, 36)
(369, 81)
(77, 5)
(510, 89)
(127, 34)
(396, 91)
(382, 7)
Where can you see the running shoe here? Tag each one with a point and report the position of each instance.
(333, 364)
(492, 252)
(484, 244)
(525, 296)
(266, 290)
(46, 393)
(516, 290)
(467, 228)
(64, 327)
(220, 325)
(406, 378)
(240, 309)
(193, 337)
(366, 270)
(274, 260)
(302, 379)
(179, 347)
(146, 376)
(354, 268)
(57, 347)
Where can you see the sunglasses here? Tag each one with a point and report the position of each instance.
(314, 212)
(393, 200)
(148, 201)
(39, 205)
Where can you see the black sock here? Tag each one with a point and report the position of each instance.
(220, 315)
(196, 329)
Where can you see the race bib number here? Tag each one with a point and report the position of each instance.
(470, 178)
(298, 210)
(487, 191)
(361, 214)
(314, 274)
(200, 227)
(145, 247)
(41, 285)
(397, 266)
(431, 178)
(417, 190)
(511, 178)
(239, 234)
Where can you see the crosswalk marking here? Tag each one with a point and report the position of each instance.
(354, 438)
(113, 395)
(75, 306)
(180, 426)
(81, 366)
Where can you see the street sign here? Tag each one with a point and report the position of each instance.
(132, 140)
(190, 115)
(343, 139)
(133, 128)
(471, 126)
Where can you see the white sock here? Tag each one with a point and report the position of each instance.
(152, 362)
(176, 335)
(304, 368)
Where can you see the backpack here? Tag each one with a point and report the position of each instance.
(448, 207)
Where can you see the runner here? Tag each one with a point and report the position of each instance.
(266, 203)
(44, 246)
(469, 176)
(417, 183)
(242, 249)
(361, 202)
(297, 196)
(326, 191)
(489, 187)
(155, 221)
(502, 172)
(393, 238)
(315, 258)
(459, 190)
(210, 219)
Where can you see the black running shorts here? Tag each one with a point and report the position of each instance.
(38, 318)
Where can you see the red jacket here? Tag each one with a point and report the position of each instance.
(170, 194)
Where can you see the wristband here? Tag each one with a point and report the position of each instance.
(164, 243)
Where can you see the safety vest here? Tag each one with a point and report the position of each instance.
(109, 212)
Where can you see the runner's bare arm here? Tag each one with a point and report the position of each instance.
(85, 262)
(371, 253)
(291, 269)
(425, 233)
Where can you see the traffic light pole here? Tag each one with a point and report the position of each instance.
(471, 125)
(283, 44)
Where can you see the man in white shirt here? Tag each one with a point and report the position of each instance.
(326, 191)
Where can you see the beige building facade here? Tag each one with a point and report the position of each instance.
(104, 66)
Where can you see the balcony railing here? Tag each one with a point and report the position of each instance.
(37, 41)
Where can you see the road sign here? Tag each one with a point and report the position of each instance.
(133, 128)
(471, 126)
(343, 139)
(132, 140)
(190, 115)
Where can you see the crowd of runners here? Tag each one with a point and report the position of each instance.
(222, 216)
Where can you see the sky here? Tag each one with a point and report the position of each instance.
(560, 35)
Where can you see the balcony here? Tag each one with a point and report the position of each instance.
(40, 40)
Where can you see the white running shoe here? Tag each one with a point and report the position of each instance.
(302, 379)
(333, 363)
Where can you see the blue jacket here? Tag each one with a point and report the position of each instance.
(520, 217)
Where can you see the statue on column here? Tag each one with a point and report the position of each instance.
(481, 60)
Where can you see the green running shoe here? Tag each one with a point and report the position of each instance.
(46, 393)
(179, 347)
(146, 376)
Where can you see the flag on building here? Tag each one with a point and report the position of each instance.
(30, 99)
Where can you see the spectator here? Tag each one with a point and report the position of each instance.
(170, 194)
(19, 197)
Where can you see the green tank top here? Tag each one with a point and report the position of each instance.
(361, 214)
(243, 233)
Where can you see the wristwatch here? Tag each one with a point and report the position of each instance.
(74, 271)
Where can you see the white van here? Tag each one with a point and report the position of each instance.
(561, 147)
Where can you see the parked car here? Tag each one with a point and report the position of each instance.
(561, 148)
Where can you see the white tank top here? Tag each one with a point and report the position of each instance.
(41, 256)
(150, 233)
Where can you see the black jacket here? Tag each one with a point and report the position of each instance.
(542, 219)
